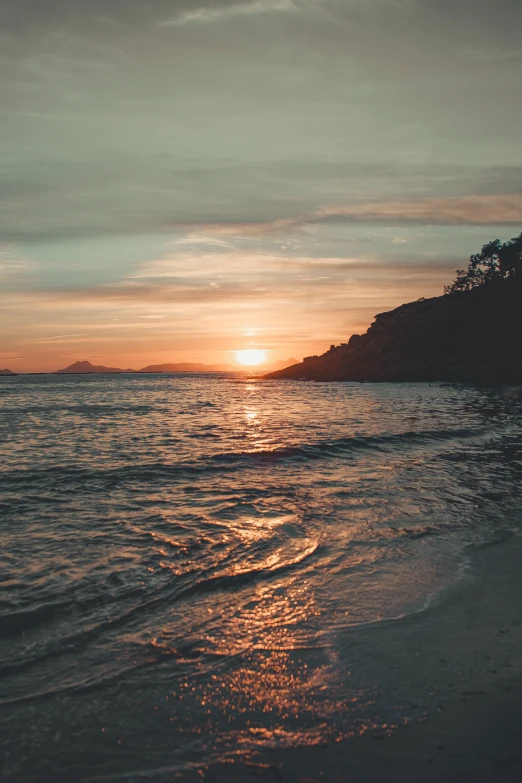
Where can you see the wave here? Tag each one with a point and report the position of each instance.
(82, 408)
(23, 621)
(148, 471)
(15, 623)
(352, 444)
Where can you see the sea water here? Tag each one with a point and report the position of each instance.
(188, 562)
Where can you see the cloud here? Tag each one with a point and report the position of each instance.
(29, 15)
(12, 263)
(198, 239)
(207, 14)
(495, 210)
(121, 194)
(490, 54)
(475, 210)
(170, 305)
(59, 338)
(11, 356)
(245, 277)
(190, 278)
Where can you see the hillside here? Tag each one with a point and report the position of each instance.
(282, 364)
(7, 372)
(473, 336)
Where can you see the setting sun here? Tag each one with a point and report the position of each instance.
(250, 356)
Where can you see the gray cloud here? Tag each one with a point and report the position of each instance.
(492, 210)
(479, 210)
(123, 195)
(112, 123)
(216, 13)
(30, 15)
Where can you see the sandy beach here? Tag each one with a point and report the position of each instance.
(475, 634)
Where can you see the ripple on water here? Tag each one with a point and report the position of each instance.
(181, 556)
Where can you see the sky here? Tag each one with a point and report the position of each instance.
(181, 179)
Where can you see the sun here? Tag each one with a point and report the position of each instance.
(250, 356)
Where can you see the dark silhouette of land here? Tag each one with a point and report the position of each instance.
(188, 367)
(281, 365)
(85, 367)
(471, 334)
(7, 372)
(198, 367)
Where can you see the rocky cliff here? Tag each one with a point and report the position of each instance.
(469, 336)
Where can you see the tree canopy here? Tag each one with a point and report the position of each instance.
(496, 261)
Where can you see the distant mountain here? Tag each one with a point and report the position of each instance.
(188, 367)
(87, 367)
(7, 372)
(198, 367)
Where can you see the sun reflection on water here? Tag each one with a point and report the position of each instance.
(191, 593)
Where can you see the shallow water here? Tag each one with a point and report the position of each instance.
(187, 560)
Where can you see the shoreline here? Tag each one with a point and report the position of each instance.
(476, 737)
(473, 731)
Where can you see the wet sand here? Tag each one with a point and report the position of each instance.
(473, 729)
(477, 738)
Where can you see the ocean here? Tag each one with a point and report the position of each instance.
(199, 566)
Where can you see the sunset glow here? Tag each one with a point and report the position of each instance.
(250, 357)
(260, 319)
(260, 219)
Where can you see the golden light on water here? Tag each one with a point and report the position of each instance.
(250, 357)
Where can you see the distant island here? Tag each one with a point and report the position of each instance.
(188, 367)
(85, 367)
(7, 372)
(197, 367)
(473, 333)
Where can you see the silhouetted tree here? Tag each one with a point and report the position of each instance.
(496, 261)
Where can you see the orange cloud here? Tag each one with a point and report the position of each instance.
(501, 209)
